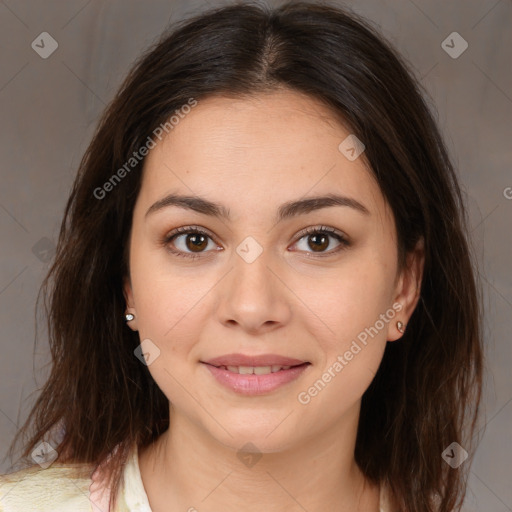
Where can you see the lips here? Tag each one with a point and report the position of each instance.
(255, 375)
(253, 361)
(253, 384)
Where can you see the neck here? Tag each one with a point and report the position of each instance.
(187, 469)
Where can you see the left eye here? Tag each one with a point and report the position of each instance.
(318, 240)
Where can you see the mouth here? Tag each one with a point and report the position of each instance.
(259, 361)
(257, 370)
(255, 375)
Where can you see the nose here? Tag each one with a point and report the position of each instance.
(254, 297)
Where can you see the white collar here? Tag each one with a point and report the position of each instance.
(133, 489)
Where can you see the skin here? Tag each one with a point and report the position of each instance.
(252, 155)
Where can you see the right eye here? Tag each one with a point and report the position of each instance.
(191, 238)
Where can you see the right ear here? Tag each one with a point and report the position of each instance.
(130, 303)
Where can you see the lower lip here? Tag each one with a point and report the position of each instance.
(256, 384)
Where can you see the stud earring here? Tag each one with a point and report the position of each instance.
(129, 317)
(400, 326)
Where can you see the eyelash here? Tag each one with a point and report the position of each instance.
(344, 243)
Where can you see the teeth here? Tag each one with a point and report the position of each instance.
(243, 370)
(262, 370)
(257, 370)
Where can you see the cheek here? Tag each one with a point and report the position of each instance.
(335, 390)
(358, 315)
(350, 304)
(173, 321)
(166, 295)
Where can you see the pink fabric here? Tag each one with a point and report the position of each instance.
(99, 492)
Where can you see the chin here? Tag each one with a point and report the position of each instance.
(269, 435)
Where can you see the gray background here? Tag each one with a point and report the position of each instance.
(49, 109)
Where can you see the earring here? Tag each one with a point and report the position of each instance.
(400, 326)
(129, 317)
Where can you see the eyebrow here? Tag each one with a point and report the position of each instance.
(285, 211)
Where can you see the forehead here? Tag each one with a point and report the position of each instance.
(249, 153)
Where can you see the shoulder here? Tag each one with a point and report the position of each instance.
(59, 488)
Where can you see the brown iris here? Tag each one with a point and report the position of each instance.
(198, 242)
(319, 237)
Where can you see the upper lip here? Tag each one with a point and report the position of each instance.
(261, 360)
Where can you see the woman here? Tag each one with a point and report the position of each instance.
(263, 295)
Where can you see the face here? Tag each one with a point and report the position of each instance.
(316, 282)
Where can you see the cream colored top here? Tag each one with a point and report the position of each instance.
(55, 490)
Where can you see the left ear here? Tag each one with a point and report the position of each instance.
(408, 288)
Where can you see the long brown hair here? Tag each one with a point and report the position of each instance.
(427, 391)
